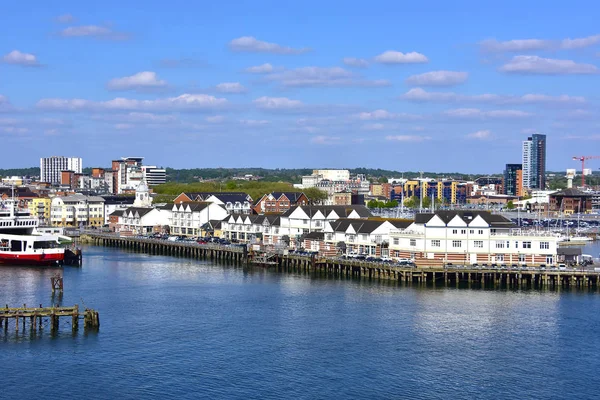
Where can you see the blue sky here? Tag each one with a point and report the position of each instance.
(435, 86)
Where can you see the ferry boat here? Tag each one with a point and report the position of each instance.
(21, 244)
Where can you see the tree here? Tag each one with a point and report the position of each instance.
(383, 179)
(391, 204)
(412, 202)
(426, 202)
(315, 196)
(510, 205)
(372, 204)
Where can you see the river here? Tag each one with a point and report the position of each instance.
(173, 328)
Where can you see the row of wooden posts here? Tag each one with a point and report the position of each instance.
(36, 316)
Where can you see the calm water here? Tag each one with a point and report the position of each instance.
(180, 329)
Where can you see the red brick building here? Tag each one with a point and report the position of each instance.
(279, 202)
(571, 201)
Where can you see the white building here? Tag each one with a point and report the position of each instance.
(141, 221)
(332, 174)
(51, 167)
(189, 218)
(154, 175)
(471, 237)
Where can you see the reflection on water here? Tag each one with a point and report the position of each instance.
(185, 329)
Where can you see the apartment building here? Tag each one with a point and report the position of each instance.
(77, 210)
(51, 168)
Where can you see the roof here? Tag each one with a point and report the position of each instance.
(568, 251)
(118, 199)
(364, 225)
(494, 220)
(292, 196)
(230, 197)
(81, 197)
(571, 193)
(117, 213)
(193, 205)
(202, 196)
(141, 211)
(342, 211)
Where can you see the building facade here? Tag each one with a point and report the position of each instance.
(513, 185)
(51, 168)
(77, 210)
(534, 162)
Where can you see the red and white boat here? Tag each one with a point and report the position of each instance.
(21, 244)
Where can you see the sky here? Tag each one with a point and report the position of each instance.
(431, 85)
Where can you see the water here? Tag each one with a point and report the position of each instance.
(180, 329)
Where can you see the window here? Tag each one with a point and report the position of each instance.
(549, 259)
(413, 242)
(499, 244)
(516, 244)
(507, 244)
(480, 231)
(456, 243)
(478, 244)
(396, 241)
(544, 245)
(526, 245)
(454, 231)
(500, 257)
(463, 231)
(436, 243)
(472, 231)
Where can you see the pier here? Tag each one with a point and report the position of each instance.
(37, 317)
(336, 267)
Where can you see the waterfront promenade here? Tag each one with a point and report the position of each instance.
(427, 275)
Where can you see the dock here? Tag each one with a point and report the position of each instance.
(448, 275)
(37, 317)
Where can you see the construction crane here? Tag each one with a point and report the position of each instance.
(582, 159)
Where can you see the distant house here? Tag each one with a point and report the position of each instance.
(234, 202)
(189, 218)
(141, 221)
(279, 202)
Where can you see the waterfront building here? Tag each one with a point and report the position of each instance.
(127, 174)
(142, 220)
(443, 191)
(381, 189)
(51, 168)
(115, 203)
(571, 201)
(513, 180)
(279, 202)
(77, 210)
(534, 162)
(250, 228)
(189, 218)
(471, 237)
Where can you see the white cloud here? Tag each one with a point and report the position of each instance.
(251, 44)
(13, 129)
(260, 69)
(356, 62)
(230, 87)
(407, 138)
(421, 95)
(397, 57)
(277, 103)
(215, 119)
(322, 77)
(254, 122)
(548, 66)
(519, 45)
(325, 140)
(373, 127)
(184, 102)
(94, 31)
(123, 126)
(15, 57)
(475, 113)
(438, 78)
(480, 135)
(141, 81)
(386, 115)
(5, 104)
(65, 19)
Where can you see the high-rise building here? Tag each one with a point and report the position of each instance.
(534, 162)
(512, 179)
(51, 167)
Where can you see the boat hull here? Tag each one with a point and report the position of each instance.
(31, 259)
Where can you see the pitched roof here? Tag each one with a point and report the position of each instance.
(117, 213)
(342, 211)
(571, 192)
(315, 235)
(230, 197)
(494, 220)
(108, 200)
(363, 225)
(292, 196)
(141, 211)
(193, 205)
